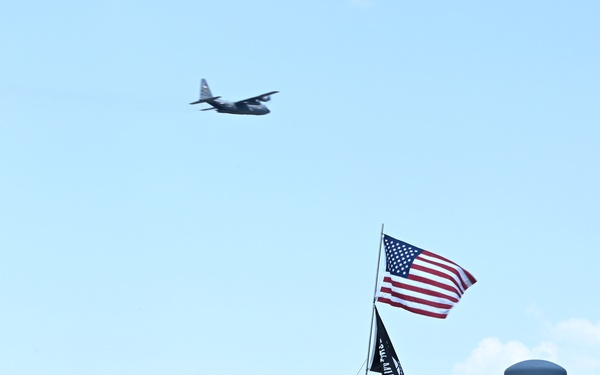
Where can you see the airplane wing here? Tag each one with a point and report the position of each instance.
(257, 98)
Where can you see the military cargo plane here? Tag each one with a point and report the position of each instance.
(250, 106)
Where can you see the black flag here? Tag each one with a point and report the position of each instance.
(385, 359)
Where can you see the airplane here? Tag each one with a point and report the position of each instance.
(250, 106)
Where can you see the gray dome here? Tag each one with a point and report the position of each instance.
(535, 367)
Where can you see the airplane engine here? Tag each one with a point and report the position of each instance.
(265, 98)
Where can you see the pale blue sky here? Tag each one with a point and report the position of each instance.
(141, 236)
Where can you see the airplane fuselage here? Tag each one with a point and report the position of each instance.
(224, 106)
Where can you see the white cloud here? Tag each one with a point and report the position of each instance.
(578, 330)
(493, 357)
(573, 344)
(579, 342)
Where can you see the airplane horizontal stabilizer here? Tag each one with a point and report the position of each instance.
(205, 100)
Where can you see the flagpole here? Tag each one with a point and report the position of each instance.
(373, 306)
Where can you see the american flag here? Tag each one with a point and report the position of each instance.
(420, 281)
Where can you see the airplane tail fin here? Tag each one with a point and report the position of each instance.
(204, 90)
(205, 94)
